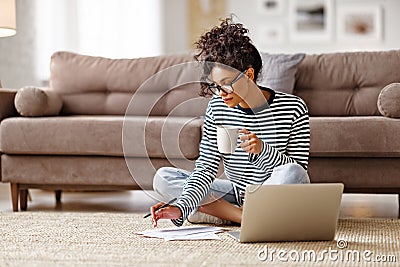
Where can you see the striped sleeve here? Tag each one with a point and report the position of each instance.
(199, 182)
(297, 149)
(299, 140)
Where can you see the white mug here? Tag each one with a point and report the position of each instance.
(227, 139)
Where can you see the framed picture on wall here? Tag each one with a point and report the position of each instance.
(310, 20)
(359, 23)
(271, 7)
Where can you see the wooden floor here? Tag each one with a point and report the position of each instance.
(352, 206)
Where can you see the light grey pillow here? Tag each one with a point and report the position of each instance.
(389, 101)
(278, 71)
(32, 101)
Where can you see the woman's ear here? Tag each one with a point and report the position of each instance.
(250, 73)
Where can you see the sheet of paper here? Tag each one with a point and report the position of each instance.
(200, 236)
(184, 233)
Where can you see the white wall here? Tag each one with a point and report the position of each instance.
(252, 19)
(19, 56)
(175, 32)
(17, 59)
(105, 28)
(17, 53)
(247, 13)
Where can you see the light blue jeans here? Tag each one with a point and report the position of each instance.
(168, 181)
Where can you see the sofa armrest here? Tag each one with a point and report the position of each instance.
(7, 108)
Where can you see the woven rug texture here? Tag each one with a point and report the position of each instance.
(108, 239)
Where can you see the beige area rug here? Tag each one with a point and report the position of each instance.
(107, 239)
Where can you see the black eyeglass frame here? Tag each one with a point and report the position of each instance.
(226, 88)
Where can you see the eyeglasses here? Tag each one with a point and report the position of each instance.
(226, 88)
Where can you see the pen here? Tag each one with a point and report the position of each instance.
(163, 206)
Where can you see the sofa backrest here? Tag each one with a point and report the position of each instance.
(337, 84)
(343, 84)
(102, 86)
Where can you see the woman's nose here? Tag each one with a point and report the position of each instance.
(222, 93)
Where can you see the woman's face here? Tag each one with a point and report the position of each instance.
(223, 76)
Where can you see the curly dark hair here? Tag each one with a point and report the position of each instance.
(227, 44)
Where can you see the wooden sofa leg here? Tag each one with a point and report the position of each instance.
(14, 195)
(398, 198)
(29, 196)
(58, 196)
(23, 199)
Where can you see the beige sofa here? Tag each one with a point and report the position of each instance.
(83, 146)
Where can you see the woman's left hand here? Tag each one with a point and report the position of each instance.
(250, 142)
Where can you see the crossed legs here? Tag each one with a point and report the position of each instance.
(221, 202)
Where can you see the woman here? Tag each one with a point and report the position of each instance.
(274, 135)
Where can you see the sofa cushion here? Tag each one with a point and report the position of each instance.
(32, 101)
(102, 135)
(85, 170)
(371, 136)
(180, 101)
(389, 101)
(346, 84)
(368, 174)
(103, 86)
(278, 71)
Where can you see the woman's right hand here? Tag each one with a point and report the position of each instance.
(169, 212)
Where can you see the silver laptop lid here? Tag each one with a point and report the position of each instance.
(290, 212)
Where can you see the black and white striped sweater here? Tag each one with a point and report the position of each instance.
(283, 126)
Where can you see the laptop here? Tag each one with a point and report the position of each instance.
(290, 212)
